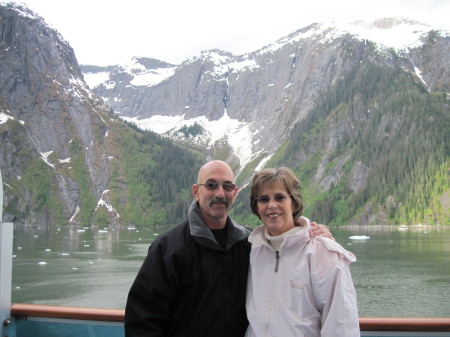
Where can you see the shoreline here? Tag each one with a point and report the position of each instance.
(132, 227)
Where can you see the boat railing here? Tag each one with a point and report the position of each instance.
(75, 313)
(51, 320)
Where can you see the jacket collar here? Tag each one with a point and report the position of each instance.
(203, 235)
(257, 237)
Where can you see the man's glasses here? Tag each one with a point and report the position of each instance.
(214, 185)
(279, 197)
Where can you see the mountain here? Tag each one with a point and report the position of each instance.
(233, 97)
(65, 156)
(299, 95)
(362, 119)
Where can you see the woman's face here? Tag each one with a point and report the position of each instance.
(275, 208)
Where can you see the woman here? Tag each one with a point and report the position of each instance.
(297, 286)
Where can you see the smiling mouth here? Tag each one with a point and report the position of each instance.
(273, 215)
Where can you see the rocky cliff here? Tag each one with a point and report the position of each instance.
(61, 147)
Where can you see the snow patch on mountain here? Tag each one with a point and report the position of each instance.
(388, 32)
(95, 79)
(144, 76)
(224, 62)
(238, 134)
(4, 117)
(236, 66)
(153, 77)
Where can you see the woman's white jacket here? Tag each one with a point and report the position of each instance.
(305, 289)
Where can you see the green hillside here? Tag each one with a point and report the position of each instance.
(386, 122)
(149, 180)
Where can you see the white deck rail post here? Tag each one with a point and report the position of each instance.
(6, 246)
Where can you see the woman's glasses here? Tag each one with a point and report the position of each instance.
(279, 197)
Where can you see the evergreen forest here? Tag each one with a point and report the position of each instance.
(387, 122)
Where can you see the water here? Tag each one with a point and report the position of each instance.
(399, 273)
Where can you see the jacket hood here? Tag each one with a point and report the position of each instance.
(257, 236)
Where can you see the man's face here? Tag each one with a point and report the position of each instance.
(215, 193)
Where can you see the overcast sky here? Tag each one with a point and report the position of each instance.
(105, 32)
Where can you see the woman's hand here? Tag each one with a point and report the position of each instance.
(320, 230)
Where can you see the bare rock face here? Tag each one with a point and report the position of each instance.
(51, 110)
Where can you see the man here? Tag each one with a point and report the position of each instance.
(193, 280)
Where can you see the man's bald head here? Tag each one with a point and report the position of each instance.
(214, 166)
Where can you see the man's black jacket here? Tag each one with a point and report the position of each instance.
(189, 286)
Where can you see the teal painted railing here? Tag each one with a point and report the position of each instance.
(29, 320)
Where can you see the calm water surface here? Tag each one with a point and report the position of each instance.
(399, 273)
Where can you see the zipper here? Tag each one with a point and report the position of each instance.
(277, 261)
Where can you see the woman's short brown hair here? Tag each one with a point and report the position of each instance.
(272, 176)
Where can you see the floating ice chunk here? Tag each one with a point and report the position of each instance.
(359, 237)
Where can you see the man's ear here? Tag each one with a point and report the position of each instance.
(195, 191)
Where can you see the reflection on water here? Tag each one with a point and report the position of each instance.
(398, 273)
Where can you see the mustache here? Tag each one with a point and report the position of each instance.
(223, 201)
